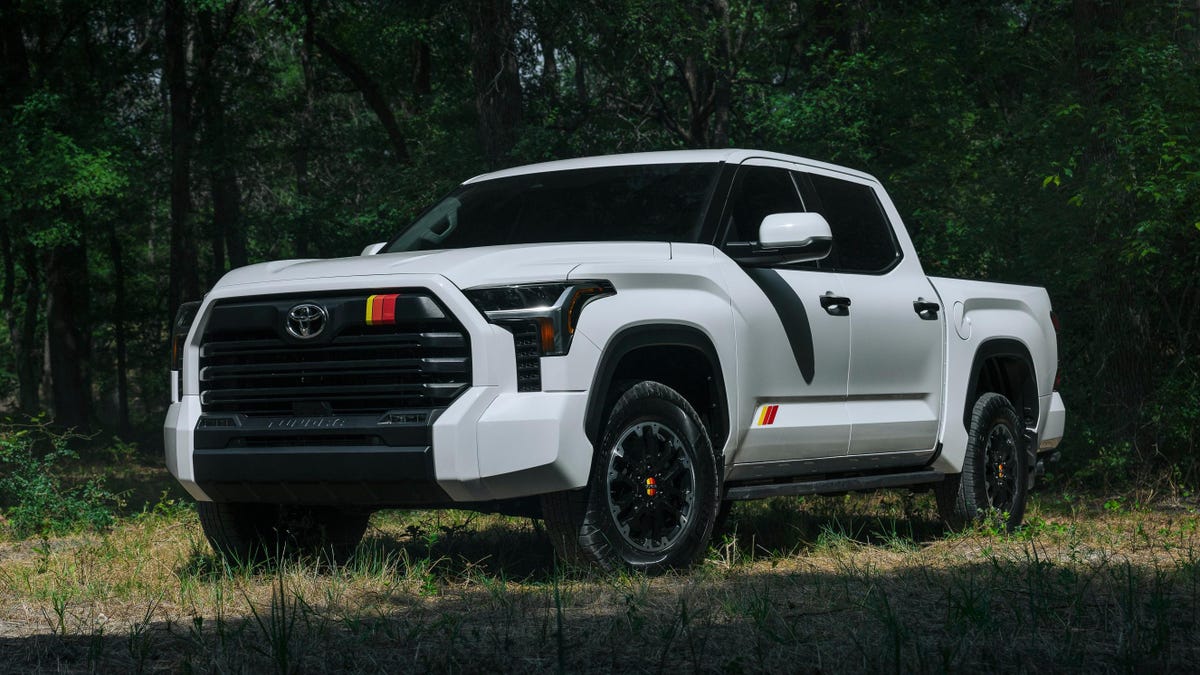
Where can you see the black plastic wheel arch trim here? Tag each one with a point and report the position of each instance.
(1001, 347)
(633, 338)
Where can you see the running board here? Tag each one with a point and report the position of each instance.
(851, 484)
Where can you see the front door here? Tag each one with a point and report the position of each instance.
(793, 345)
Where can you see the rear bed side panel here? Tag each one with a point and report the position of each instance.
(978, 312)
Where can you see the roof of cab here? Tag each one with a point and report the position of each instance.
(732, 155)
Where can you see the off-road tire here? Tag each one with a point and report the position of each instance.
(583, 524)
(994, 479)
(250, 533)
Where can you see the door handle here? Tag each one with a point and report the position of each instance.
(835, 305)
(925, 309)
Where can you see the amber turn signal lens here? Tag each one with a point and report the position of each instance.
(546, 334)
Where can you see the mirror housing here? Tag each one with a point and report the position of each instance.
(796, 237)
(373, 248)
(793, 230)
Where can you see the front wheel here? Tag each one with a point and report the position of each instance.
(653, 493)
(994, 479)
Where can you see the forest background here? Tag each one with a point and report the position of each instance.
(146, 148)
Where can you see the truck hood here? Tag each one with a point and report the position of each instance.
(464, 268)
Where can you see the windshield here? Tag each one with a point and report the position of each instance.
(655, 202)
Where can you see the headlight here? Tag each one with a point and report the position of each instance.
(552, 308)
(179, 331)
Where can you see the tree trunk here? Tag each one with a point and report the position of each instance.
(227, 208)
(497, 82)
(547, 41)
(1083, 20)
(722, 92)
(697, 77)
(10, 271)
(306, 230)
(14, 69)
(722, 96)
(580, 78)
(66, 320)
(227, 229)
(22, 328)
(25, 341)
(22, 331)
(117, 254)
(184, 283)
(422, 80)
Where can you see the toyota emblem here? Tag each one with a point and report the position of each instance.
(306, 321)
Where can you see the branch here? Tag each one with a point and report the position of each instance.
(370, 92)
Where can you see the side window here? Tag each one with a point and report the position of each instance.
(758, 191)
(862, 236)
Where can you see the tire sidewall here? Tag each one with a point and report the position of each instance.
(653, 402)
(992, 410)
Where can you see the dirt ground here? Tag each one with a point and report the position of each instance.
(829, 584)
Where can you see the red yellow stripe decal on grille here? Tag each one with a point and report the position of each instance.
(381, 309)
(767, 416)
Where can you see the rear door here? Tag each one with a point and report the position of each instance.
(895, 380)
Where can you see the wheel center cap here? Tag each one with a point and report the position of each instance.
(651, 486)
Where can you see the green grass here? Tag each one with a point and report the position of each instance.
(857, 583)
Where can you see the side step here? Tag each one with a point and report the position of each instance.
(828, 485)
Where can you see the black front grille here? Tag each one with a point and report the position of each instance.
(250, 364)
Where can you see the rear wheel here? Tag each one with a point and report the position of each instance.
(653, 493)
(995, 471)
(247, 533)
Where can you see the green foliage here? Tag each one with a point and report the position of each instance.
(1042, 142)
(38, 498)
(49, 181)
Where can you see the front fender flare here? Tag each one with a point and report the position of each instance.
(632, 338)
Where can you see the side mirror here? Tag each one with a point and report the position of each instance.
(799, 237)
(373, 248)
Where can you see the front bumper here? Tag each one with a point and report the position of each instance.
(487, 446)
(491, 443)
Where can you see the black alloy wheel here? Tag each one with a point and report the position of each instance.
(1000, 467)
(651, 486)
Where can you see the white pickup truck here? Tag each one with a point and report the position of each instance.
(619, 345)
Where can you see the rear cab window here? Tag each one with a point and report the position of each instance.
(863, 239)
